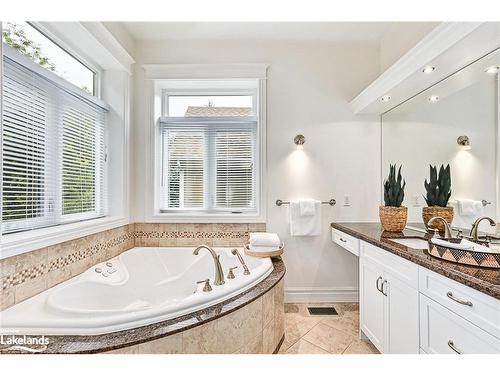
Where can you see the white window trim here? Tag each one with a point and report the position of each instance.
(110, 56)
(155, 74)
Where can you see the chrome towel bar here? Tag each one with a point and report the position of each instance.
(331, 202)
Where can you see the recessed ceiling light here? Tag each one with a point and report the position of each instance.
(386, 98)
(428, 69)
(492, 69)
(433, 98)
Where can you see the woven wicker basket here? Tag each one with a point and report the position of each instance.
(393, 219)
(430, 212)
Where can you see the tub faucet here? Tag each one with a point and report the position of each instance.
(219, 274)
(475, 226)
(246, 271)
(447, 228)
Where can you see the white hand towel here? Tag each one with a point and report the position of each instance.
(307, 207)
(469, 207)
(459, 246)
(464, 221)
(305, 225)
(477, 247)
(263, 239)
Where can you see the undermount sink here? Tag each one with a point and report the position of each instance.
(414, 243)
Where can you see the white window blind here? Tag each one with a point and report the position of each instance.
(53, 152)
(208, 164)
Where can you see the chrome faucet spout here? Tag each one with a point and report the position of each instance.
(475, 226)
(447, 228)
(219, 274)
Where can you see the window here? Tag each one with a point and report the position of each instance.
(209, 151)
(30, 42)
(53, 148)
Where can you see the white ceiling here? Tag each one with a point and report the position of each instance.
(326, 31)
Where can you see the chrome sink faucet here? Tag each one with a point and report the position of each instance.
(219, 274)
(447, 228)
(475, 226)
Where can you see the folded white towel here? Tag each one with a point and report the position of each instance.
(459, 246)
(263, 239)
(478, 247)
(469, 207)
(305, 225)
(307, 207)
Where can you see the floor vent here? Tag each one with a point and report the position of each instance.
(322, 311)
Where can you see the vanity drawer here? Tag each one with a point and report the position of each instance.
(443, 332)
(401, 268)
(349, 243)
(478, 308)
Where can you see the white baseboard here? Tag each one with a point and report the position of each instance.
(318, 295)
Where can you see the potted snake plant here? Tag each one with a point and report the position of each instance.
(393, 215)
(438, 194)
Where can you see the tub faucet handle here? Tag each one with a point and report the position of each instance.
(206, 287)
(230, 274)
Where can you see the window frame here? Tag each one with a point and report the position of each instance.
(114, 65)
(209, 179)
(54, 200)
(159, 101)
(90, 66)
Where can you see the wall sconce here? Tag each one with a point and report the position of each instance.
(464, 142)
(299, 140)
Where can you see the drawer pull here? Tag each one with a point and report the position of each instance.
(382, 288)
(378, 280)
(453, 347)
(462, 302)
(341, 239)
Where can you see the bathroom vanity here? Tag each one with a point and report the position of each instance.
(413, 303)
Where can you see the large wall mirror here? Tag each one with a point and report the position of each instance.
(427, 129)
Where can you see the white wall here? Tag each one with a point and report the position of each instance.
(309, 84)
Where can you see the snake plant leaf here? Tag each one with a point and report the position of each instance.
(394, 186)
(439, 186)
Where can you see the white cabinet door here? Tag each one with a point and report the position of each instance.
(401, 316)
(372, 302)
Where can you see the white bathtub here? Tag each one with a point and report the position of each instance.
(148, 285)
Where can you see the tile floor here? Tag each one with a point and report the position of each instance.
(330, 334)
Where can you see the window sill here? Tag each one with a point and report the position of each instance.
(209, 218)
(22, 242)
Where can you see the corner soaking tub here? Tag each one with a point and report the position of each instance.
(139, 287)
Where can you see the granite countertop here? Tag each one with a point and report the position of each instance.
(85, 344)
(486, 280)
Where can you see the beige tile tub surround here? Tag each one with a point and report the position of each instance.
(256, 328)
(28, 274)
